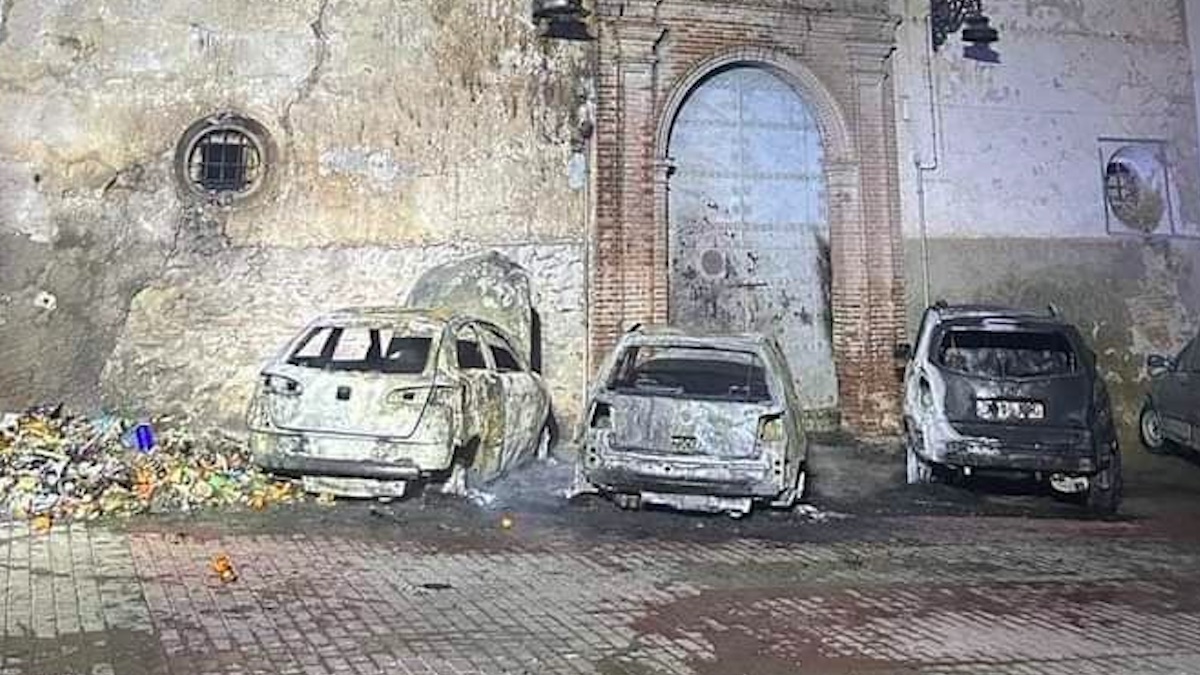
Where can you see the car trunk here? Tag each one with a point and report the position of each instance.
(367, 404)
(972, 401)
(672, 425)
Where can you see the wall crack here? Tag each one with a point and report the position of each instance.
(5, 12)
(309, 84)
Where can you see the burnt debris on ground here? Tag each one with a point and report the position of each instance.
(55, 466)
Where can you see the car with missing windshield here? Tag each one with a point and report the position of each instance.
(1171, 413)
(694, 422)
(997, 389)
(365, 402)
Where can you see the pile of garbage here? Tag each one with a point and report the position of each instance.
(57, 467)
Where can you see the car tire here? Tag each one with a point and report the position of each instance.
(918, 471)
(1150, 429)
(1104, 488)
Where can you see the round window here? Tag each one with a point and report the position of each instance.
(223, 158)
(1135, 188)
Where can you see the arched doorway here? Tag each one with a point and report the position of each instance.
(748, 221)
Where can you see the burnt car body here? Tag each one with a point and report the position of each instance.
(362, 402)
(1171, 413)
(694, 422)
(996, 389)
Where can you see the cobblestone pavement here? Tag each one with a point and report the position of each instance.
(439, 586)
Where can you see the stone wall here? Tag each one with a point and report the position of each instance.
(405, 131)
(196, 338)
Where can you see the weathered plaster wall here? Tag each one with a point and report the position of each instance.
(1192, 13)
(1018, 145)
(399, 124)
(1015, 206)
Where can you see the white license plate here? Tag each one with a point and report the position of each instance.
(684, 444)
(1000, 410)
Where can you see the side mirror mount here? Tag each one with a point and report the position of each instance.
(902, 352)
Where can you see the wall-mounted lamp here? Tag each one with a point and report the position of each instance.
(948, 16)
(561, 19)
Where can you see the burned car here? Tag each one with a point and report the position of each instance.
(995, 389)
(694, 422)
(363, 402)
(1171, 413)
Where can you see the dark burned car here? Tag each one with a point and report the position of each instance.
(1171, 413)
(694, 422)
(365, 401)
(993, 389)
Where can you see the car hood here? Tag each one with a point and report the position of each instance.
(488, 286)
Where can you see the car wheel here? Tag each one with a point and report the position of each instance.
(1150, 429)
(918, 470)
(1104, 488)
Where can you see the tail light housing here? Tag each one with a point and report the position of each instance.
(282, 386)
(417, 396)
(771, 429)
(601, 417)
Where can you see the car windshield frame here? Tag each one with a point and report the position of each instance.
(770, 394)
(375, 359)
(1076, 355)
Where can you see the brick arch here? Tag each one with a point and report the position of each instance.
(648, 61)
(842, 179)
(839, 149)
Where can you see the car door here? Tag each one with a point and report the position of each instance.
(1177, 395)
(1189, 384)
(914, 372)
(524, 398)
(483, 401)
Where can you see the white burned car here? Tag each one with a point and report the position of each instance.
(365, 401)
(694, 422)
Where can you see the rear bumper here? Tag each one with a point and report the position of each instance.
(1029, 450)
(336, 456)
(635, 472)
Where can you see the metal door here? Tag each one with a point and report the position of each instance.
(748, 226)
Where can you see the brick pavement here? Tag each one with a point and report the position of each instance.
(948, 595)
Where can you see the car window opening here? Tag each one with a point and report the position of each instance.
(362, 350)
(1007, 354)
(470, 356)
(692, 373)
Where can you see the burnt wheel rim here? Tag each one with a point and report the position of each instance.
(1152, 428)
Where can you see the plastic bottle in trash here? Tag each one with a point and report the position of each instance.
(144, 434)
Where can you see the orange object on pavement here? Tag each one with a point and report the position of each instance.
(223, 567)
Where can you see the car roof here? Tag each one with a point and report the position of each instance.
(388, 314)
(672, 335)
(996, 311)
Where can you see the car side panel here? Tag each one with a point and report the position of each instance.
(1176, 396)
(1190, 395)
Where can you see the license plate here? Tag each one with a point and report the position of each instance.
(1000, 410)
(684, 444)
